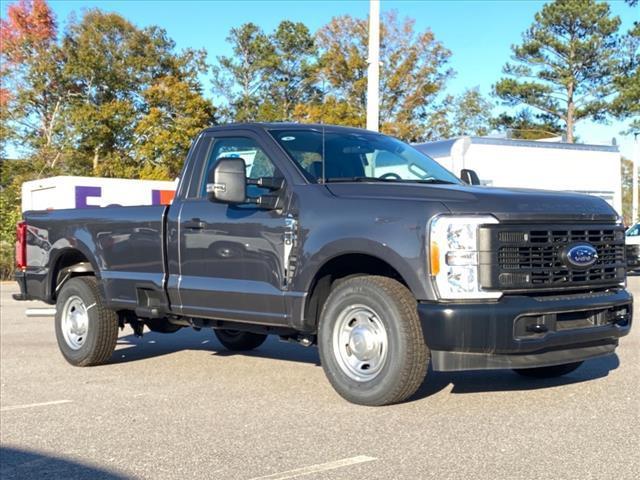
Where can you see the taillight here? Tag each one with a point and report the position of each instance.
(21, 245)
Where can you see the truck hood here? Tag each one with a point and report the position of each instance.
(506, 204)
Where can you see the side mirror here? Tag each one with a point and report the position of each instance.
(470, 177)
(227, 181)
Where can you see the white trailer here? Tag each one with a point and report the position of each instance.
(55, 193)
(499, 162)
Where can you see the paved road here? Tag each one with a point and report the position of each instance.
(179, 406)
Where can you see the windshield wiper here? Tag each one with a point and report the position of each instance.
(390, 180)
(359, 179)
(433, 181)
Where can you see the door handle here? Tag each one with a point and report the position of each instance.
(194, 224)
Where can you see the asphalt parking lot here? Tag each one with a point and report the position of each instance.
(179, 406)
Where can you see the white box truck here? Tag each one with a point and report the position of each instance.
(56, 193)
(501, 162)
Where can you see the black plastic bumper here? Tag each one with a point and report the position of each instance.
(525, 331)
(33, 285)
(21, 278)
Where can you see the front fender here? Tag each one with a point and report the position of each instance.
(410, 269)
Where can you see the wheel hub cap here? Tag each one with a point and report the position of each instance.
(360, 343)
(75, 322)
(363, 343)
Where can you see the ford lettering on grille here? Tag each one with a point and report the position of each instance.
(581, 256)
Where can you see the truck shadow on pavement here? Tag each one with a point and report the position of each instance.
(156, 344)
(132, 348)
(18, 464)
(507, 380)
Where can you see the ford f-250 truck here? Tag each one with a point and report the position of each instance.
(343, 238)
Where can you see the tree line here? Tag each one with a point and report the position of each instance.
(106, 97)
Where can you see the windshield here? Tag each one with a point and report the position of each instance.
(353, 156)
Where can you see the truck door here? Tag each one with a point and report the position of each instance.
(231, 256)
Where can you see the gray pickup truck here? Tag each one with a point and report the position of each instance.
(343, 238)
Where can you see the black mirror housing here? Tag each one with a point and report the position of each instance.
(227, 181)
(470, 177)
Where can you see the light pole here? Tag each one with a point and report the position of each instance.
(373, 73)
(635, 162)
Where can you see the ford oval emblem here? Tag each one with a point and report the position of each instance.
(582, 255)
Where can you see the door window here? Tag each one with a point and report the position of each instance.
(256, 160)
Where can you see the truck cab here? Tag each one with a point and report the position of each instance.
(346, 239)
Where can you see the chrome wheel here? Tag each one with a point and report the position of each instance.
(360, 343)
(75, 322)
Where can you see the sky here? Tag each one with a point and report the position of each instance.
(478, 33)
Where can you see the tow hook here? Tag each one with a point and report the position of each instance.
(537, 328)
(622, 319)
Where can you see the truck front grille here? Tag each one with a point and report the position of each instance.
(518, 258)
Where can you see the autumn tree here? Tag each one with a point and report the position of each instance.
(413, 72)
(104, 98)
(567, 63)
(126, 78)
(174, 113)
(471, 113)
(33, 90)
(74, 103)
(343, 62)
(438, 123)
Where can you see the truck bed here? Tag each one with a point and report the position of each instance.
(125, 245)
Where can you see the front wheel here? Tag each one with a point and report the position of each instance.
(86, 330)
(236, 340)
(548, 372)
(370, 339)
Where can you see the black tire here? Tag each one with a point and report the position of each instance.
(238, 341)
(548, 372)
(402, 370)
(102, 332)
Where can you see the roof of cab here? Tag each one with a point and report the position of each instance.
(285, 125)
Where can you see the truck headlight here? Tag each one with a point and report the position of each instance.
(454, 257)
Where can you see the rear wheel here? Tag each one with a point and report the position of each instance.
(370, 339)
(548, 372)
(86, 330)
(237, 340)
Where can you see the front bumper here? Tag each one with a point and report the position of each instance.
(521, 331)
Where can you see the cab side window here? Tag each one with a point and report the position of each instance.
(256, 160)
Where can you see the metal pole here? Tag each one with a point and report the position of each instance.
(636, 162)
(373, 74)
